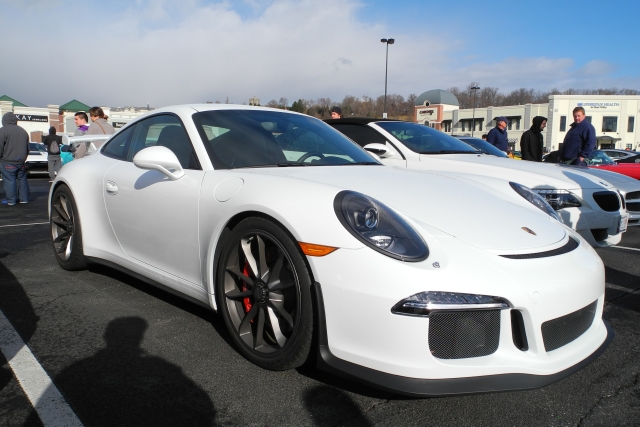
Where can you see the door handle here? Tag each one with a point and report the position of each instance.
(112, 188)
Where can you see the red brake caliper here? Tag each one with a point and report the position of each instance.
(246, 302)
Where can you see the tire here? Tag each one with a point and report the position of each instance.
(263, 286)
(66, 234)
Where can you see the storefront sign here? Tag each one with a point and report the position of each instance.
(118, 125)
(599, 105)
(30, 118)
(425, 112)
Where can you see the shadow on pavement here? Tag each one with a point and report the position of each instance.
(122, 385)
(16, 305)
(329, 407)
(619, 297)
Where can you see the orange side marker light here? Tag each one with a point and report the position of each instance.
(316, 250)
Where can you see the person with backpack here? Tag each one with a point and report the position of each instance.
(53, 143)
(100, 126)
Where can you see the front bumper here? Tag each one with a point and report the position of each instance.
(360, 337)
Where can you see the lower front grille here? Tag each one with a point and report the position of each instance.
(633, 206)
(562, 330)
(464, 334)
(600, 233)
(607, 200)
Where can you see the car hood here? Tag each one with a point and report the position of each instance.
(469, 211)
(531, 174)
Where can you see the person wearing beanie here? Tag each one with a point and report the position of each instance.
(532, 141)
(14, 149)
(336, 113)
(498, 135)
(53, 143)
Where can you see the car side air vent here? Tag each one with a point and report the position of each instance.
(568, 247)
(518, 332)
(607, 200)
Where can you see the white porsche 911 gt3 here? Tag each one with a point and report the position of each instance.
(289, 230)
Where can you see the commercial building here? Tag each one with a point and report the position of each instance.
(614, 117)
(37, 120)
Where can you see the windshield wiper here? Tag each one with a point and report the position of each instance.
(361, 163)
(287, 164)
(459, 152)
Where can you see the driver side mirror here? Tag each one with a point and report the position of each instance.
(161, 159)
(380, 150)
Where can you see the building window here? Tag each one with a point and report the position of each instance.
(630, 124)
(563, 123)
(446, 125)
(478, 124)
(588, 118)
(513, 121)
(610, 124)
(628, 146)
(463, 125)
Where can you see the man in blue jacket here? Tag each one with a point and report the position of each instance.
(498, 135)
(580, 141)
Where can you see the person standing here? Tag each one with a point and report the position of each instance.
(14, 149)
(100, 126)
(498, 135)
(336, 112)
(53, 143)
(81, 120)
(580, 141)
(532, 141)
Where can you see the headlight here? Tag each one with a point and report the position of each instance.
(424, 303)
(559, 199)
(379, 227)
(533, 198)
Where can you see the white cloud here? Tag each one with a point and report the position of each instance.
(169, 51)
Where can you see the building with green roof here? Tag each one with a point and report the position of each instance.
(13, 101)
(74, 106)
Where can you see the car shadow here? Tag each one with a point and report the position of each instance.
(123, 385)
(629, 299)
(15, 303)
(329, 406)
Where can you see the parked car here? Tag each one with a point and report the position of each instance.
(37, 158)
(622, 156)
(600, 160)
(285, 227)
(585, 203)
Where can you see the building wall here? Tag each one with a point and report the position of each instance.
(596, 106)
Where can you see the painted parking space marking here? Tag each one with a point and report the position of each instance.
(46, 399)
(619, 288)
(629, 249)
(24, 225)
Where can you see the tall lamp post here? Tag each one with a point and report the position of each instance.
(473, 121)
(386, 68)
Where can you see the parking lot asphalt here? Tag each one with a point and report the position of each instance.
(122, 352)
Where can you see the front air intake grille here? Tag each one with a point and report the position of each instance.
(633, 201)
(562, 330)
(600, 233)
(633, 195)
(607, 200)
(568, 247)
(518, 331)
(464, 334)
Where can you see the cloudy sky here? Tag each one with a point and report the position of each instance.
(162, 52)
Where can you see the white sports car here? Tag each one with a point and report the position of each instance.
(290, 230)
(585, 203)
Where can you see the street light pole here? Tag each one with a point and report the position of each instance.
(473, 120)
(386, 67)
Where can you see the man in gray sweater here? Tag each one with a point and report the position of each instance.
(14, 149)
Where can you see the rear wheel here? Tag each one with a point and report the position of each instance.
(65, 230)
(263, 287)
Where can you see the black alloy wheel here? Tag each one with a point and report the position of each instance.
(65, 230)
(263, 288)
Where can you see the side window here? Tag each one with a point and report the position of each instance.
(165, 131)
(362, 135)
(118, 147)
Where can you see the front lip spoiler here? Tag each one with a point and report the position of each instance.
(437, 387)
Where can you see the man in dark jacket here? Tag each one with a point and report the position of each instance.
(14, 149)
(53, 143)
(531, 142)
(580, 141)
(498, 135)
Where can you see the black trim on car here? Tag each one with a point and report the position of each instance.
(568, 247)
(435, 387)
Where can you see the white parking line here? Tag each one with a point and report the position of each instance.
(23, 225)
(629, 249)
(51, 407)
(619, 288)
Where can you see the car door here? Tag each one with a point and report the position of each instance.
(154, 218)
(363, 135)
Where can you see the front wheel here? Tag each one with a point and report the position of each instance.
(65, 230)
(264, 295)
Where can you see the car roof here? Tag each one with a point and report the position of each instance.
(359, 120)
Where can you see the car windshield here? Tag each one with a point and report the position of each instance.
(425, 140)
(600, 158)
(257, 138)
(482, 145)
(34, 146)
